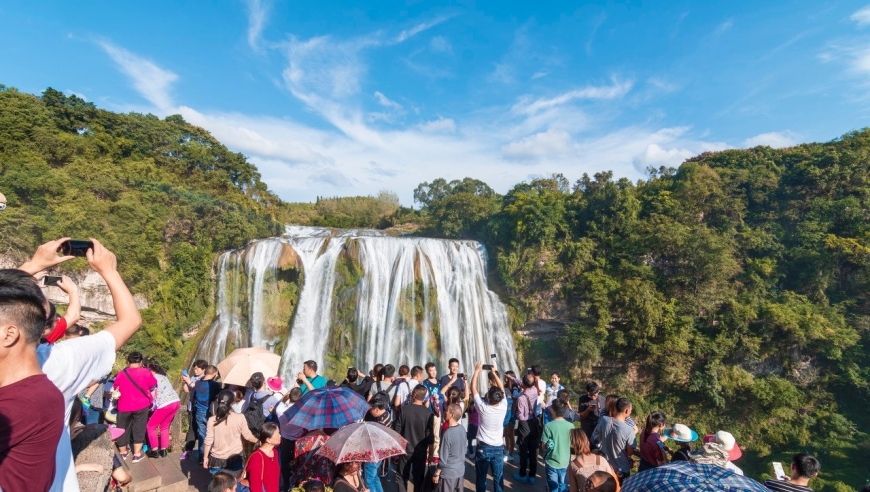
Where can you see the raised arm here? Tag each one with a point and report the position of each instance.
(74, 308)
(498, 379)
(477, 369)
(103, 261)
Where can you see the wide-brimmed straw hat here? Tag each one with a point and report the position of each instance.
(681, 433)
(726, 439)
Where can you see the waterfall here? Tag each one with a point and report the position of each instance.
(359, 297)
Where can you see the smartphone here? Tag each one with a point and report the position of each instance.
(492, 356)
(487, 367)
(461, 375)
(184, 372)
(73, 247)
(51, 280)
(777, 469)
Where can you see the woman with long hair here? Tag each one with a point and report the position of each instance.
(224, 432)
(652, 443)
(263, 469)
(348, 479)
(166, 406)
(136, 385)
(585, 462)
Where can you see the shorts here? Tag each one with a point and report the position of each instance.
(136, 425)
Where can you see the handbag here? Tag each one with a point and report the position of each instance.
(146, 393)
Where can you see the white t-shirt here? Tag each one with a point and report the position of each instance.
(404, 389)
(542, 386)
(490, 429)
(72, 365)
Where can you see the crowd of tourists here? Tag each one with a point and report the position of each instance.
(56, 382)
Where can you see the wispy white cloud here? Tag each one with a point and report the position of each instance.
(776, 140)
(385, 101)
(549, 144)
(150, 81)
(539, 75)
(440, 44)
(595, 26)
(423, 26)
(439, 125)
(723, 28)
(528, 105)
(257, 12)
(862, 17)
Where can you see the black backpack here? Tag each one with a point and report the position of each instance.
(254, 414)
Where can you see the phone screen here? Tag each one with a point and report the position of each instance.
(51, 280)
(777, 469)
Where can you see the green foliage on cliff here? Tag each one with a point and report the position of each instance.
(163, 194)
(736, 289)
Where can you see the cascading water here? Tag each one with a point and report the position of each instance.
(357, 298)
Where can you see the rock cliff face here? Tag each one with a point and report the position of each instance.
(93, 292)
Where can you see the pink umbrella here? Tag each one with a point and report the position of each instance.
(367, 442)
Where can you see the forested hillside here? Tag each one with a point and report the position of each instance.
(731, 292)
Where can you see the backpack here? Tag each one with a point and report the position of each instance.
(583, 471)
(254, 414)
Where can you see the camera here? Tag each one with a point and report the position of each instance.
(73, 247)
(492, 356)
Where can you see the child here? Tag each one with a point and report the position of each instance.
(263, 468)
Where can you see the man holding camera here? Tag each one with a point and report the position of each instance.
(492, 410)
(308, 379)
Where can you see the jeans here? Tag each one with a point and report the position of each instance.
(371, 478)
(201, 420)
(489, 458)
(557, 479)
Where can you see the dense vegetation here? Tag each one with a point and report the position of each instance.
(731, 292)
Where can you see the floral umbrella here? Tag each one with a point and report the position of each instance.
(367, 442)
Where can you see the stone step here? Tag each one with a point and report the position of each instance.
(146, 477)
(173, 479)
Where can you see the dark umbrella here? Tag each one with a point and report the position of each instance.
(331, 407)
(683, 475)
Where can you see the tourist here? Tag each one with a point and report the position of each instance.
(511, 393)
(432, 384)
(453, 376)
(167, 404)
(136, 384)
(224, 433)
(490, 454)
(617, 437)
(541, 385)
(726, 439)
(347, 478)
(585, 462)
(412, 380)
(222, 482)
(684, 437)
(192, 437)
(556, 446)
(380, 413)
(260, 396)
(610, 410)
(415, 424)
(450, 473)
(354, 382)
(471, 430)
(804, 467)
(384, 384)
(570, 414)
(204, 392)
(263, 468)
(550, 393)
(452, 393)
(589, 408)
(73, 365)
(528, 430)
(289, 433)
(652, 442)
(58, 326)
(309, 379)
(31, 407)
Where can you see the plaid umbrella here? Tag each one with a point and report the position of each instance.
(684, 475)
(366, 442)
(331, 407)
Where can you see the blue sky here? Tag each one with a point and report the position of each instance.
(349, 98)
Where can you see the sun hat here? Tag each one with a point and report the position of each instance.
(712, 453)
(726, 439)
(681, 433)
(275, 384)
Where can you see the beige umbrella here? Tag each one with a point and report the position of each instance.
(242, 362)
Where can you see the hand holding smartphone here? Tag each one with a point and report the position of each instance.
(778, 471)
(51, 280)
